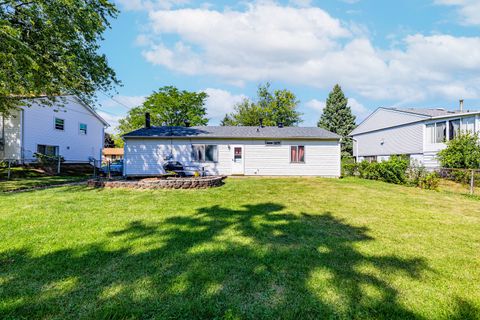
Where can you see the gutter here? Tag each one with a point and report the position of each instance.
(231, 138)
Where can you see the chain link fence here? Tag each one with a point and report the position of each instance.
(47, 166)
(466, 177)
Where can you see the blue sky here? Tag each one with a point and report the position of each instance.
(383, 53)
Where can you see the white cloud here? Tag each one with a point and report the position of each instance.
(316, 105)
(469, 10)
(112, 111)
(120, 101)
(219, 103)
(133, 5)
(307, 46)
(112, 120)
(358, 109)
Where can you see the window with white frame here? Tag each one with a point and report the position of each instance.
(47, 150)
(59, 124)
(297, 154)
(468, 124)
(83, 128)
(436, 132)
(205, 152)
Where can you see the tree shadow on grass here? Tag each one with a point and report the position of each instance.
(256, 262)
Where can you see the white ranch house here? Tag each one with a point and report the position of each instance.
(69, 128)
(417, 133)
(216, 150)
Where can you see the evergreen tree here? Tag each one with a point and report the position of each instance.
(337, 117)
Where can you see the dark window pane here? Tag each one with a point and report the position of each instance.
(59, 124)
(454, 129)
(41, 149)
(441, 132)
(301, 153)
(211, 153)
(83, 128)
(293, 154)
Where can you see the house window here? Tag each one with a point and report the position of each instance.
(47, 150)
(297, 154)
(205, 153)
(273, 143)
(453, 129)
(59, 124)
(83, 128)
(370, 159)
(437, 132)
(468, 124)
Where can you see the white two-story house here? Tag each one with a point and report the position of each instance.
(417, 133)
(69, 128)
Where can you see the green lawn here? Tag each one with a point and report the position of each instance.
(22, 178)
(254, 248)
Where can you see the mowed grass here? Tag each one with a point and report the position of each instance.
(28, 183)
(22, 178)
(296, 248)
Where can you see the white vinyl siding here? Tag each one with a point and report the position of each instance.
(322, 158)
(12, 130)
(385, 118)
(407, 139)
(73, 146)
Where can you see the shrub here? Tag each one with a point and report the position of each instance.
(429, 181)
(392, 171)
(349, 167)
(463, 152)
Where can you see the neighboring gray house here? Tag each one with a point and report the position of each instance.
(276, 151)
(418, 133)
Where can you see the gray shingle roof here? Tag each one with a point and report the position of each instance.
(233, 132)
(436, 112)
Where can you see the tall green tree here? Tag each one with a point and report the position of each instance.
(272, 107)
(168, 107)
(337, 117)
(50, 47)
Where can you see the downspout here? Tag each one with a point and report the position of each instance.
(103, 145)
(22, 138)
(124, 157)
(356, 148)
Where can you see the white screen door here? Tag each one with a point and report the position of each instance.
(238, 161)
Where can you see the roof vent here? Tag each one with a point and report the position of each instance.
(187, 123)
(280, 124)
(147, 120)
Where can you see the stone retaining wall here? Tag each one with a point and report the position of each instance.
(156, 183)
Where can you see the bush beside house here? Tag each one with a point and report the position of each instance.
(396, 170)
